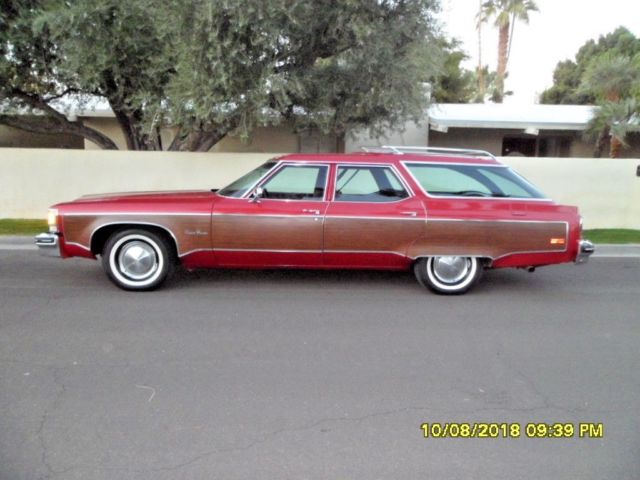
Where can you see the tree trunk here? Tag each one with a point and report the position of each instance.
(503, 47)
(198, 141)
(482, 88)
(130, 124)
(616, 146)
(208, 140)
(601, 142)
(52, 121)
(129, 119)
(185, 141)
(128, 130)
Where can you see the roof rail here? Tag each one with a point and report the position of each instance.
(384, 149)
(400, 150)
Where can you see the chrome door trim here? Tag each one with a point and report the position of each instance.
(155, 213)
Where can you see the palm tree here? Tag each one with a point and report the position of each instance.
(614, 80)
(482, 86)
(611, 76)
(614, 119)
(506, 13)
(487, 83)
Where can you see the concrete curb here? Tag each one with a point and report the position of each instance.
(603, 250)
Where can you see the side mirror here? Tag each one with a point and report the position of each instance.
(257, 194)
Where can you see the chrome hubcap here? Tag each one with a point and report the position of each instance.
(137, 260)
(451, 269)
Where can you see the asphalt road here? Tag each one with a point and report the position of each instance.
(314, 375)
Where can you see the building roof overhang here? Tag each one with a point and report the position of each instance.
(507, 116)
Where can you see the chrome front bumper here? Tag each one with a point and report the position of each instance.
(48, 244)
(585, 249)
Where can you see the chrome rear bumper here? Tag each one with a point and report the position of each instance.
(48, 244)
(585, 249)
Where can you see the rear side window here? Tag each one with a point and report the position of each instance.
(368, 184)
(472, 181)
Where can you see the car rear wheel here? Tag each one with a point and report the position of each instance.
(137, 259)
(448, 275)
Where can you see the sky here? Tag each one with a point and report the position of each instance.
(553, 34)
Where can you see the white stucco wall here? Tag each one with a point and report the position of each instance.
(31, 180)
(606, 190)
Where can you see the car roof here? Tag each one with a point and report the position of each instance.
(393, 158)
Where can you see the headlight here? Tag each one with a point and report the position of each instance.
(52, 219)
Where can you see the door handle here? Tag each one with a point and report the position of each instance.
(411, 214)
(311, 210)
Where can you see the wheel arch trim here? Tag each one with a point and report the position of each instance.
(164, 228)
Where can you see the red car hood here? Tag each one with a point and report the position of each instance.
(176, 201)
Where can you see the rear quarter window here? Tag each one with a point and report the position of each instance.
(472, 181)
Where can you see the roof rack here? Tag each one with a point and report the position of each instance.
(400, 150)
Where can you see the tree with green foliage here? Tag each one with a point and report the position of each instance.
(454, 84)
(567, 78)
(506, 13)
(57, 55)
(210, 68)
(566, 85)
(611, 77)
(614, 81)
(605, 73)
(615, 120)
(29, 82)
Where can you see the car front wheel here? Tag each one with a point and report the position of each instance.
(448, 275)
(137, 259)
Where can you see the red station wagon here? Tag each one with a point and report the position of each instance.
(447, 214)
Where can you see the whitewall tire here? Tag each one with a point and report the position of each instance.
(448, 275)
(137, 259)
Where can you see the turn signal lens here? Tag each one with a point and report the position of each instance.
(557, 241)
(52, 219)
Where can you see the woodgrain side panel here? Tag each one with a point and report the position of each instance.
(489, 238)
(367, 234)
(191, 232)
(492, 239)
(262, 232)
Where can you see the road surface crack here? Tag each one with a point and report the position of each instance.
(46, 416)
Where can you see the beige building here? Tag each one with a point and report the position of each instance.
(281, 138)
(15, 138)
(502, 129)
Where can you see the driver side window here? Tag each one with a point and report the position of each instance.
(296, 182)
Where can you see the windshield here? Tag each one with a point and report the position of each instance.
(238, 188)
(472, 181)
